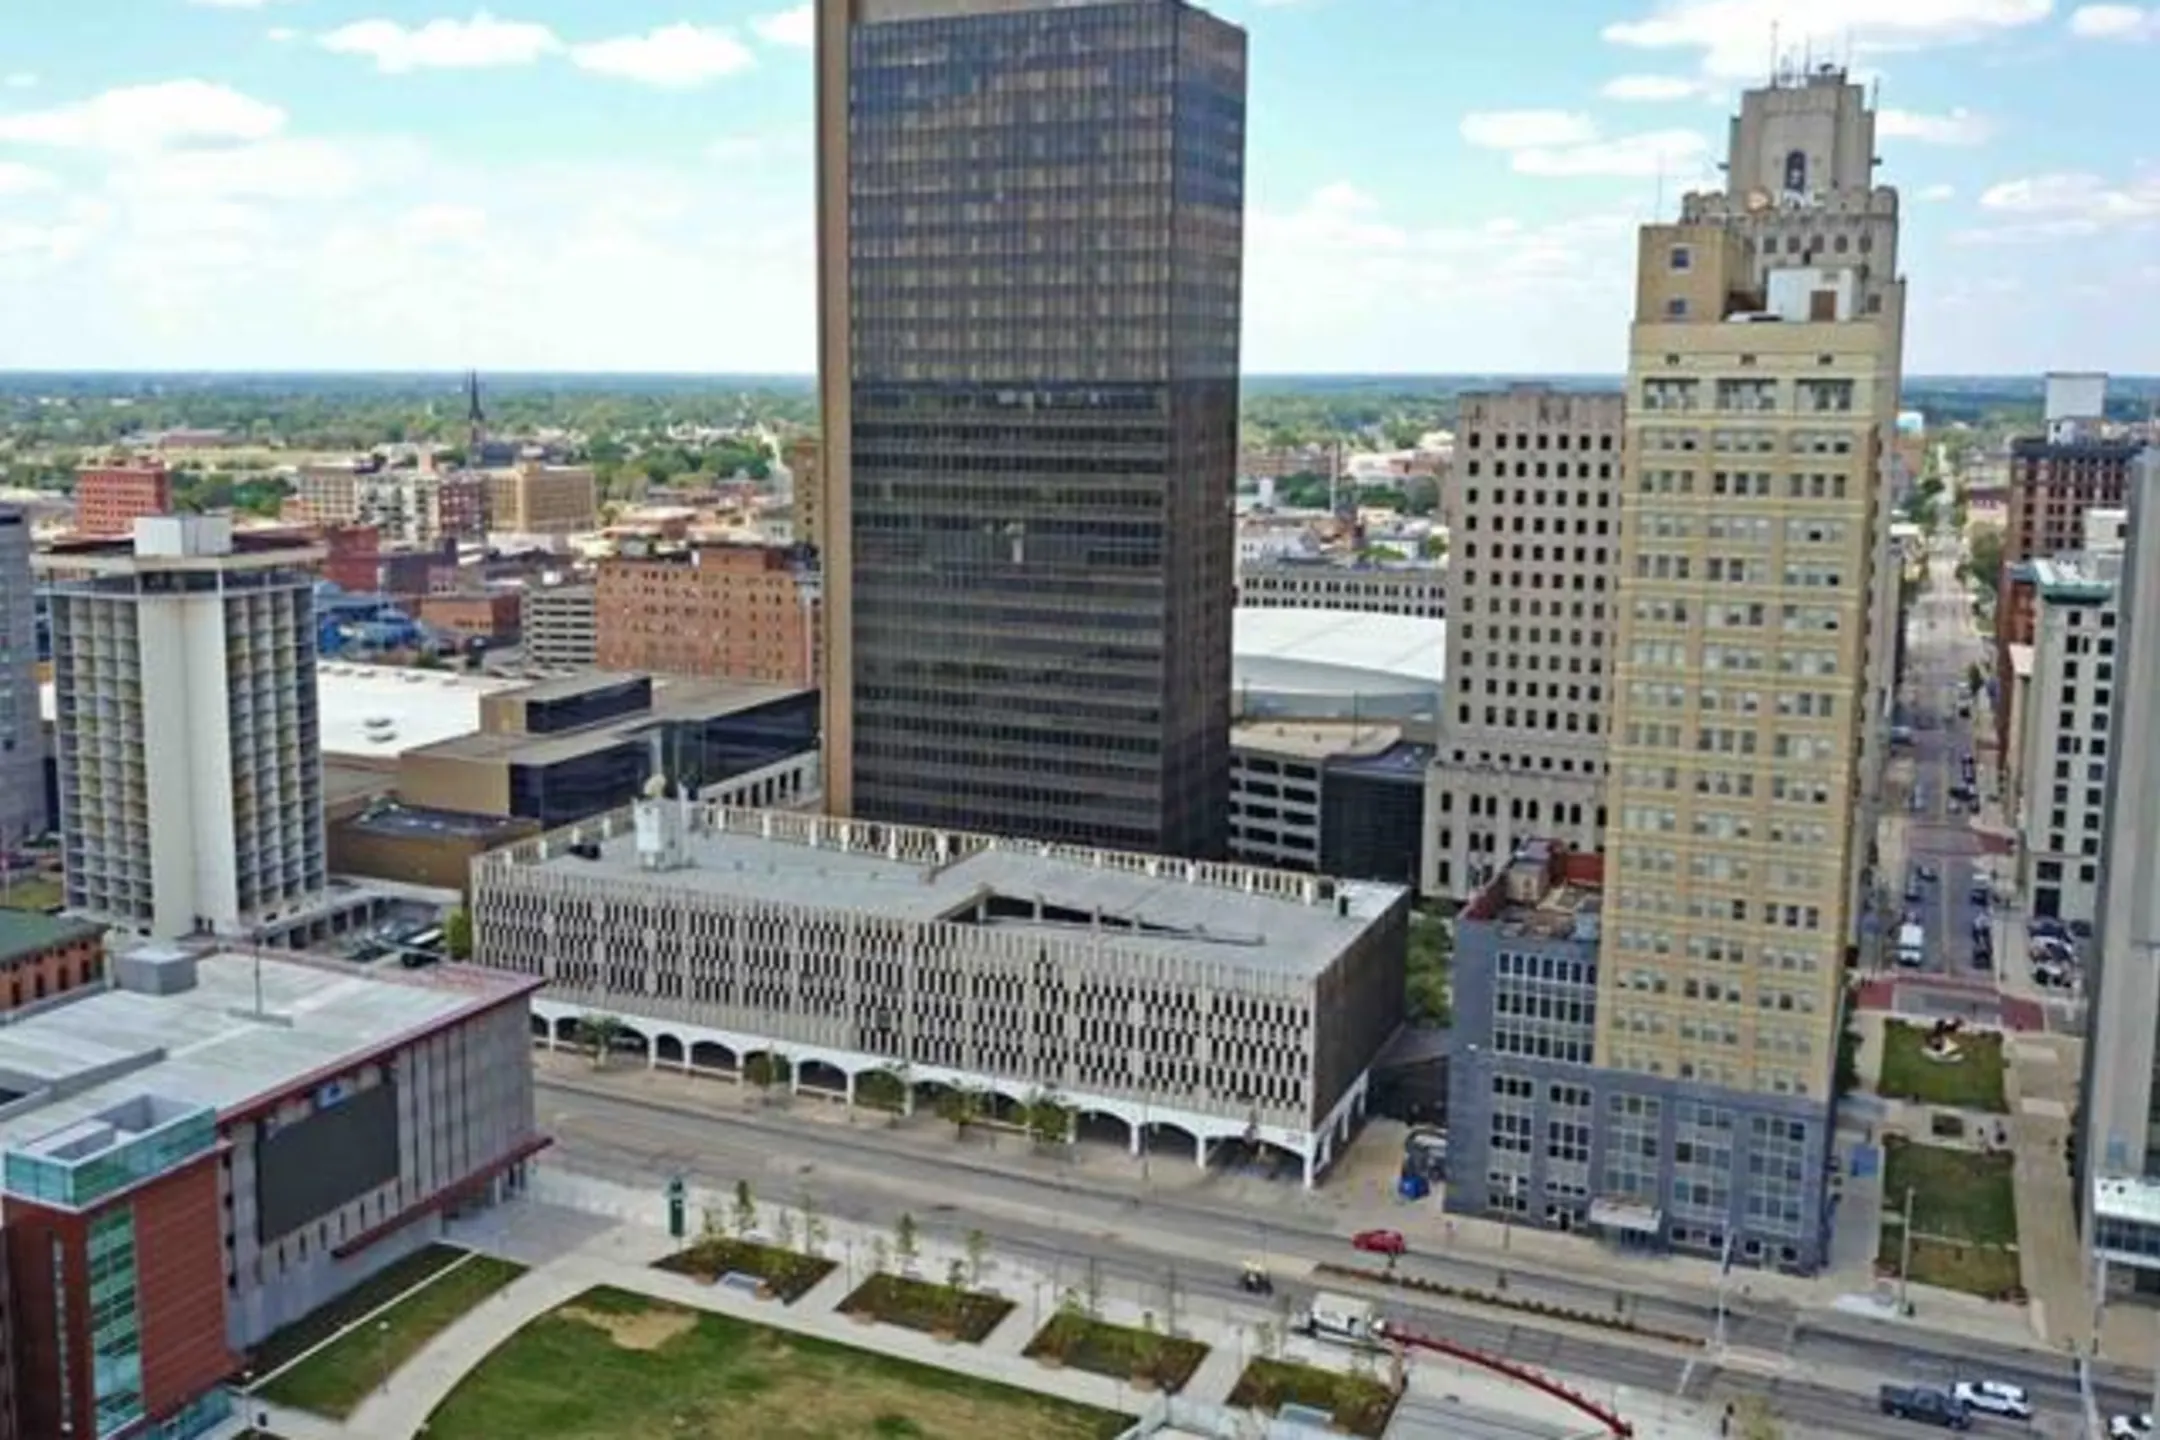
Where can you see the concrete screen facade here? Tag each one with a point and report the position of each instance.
(1233, 1003)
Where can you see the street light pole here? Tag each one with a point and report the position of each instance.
(1904, 1269)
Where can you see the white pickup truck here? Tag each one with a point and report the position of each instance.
(1911, 945)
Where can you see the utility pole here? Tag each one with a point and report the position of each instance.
(1904, 1269)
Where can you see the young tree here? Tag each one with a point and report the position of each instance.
(745, 1216)
(1170, 1299)
(978, 1245)
(457, 934)
(905, 1240)
(880, 1255)
(1092, 1288)
(601, 1033)
(960, 1106)
(1147, 1348)
(814, 1233)
(956, 1286)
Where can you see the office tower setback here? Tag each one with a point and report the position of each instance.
(1533, 522)
(22, 731)
(1031, 226)
(1651, 1042)
(190, 750)
(2116, 1158)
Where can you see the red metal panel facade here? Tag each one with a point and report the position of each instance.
(180, 1286)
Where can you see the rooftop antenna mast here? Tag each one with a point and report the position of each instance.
(1777, 61)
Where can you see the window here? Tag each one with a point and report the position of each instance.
(1676, 308)
(1682, 257)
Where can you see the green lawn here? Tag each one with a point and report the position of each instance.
(1974, 1081)
(372, 1293)
(616, 1366)
(1964, 1216)
(32, 892)
(333, 1381)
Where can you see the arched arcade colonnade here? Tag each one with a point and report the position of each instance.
(696, 1049)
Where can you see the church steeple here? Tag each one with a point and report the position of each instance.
(475, 420)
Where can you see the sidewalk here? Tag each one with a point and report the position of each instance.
(620, 1255)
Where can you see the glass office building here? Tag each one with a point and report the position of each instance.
(1032, 225)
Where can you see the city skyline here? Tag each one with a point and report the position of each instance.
(243, 186)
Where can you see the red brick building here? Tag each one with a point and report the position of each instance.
(355, 560)
(176, 1187)
(723, 612)
(492, 617)
(43, 955)
(2052, 485)
(110, 498)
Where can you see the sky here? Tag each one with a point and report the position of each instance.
(1433, 186)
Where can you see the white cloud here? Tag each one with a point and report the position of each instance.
(1557, 144)
(2115, 22)
(1391, 281)
(1652, 88)
(674, 57)
(1522, 129)
(1936, 194)
(281, 34)
(281, 169)
(18, 80)
(1957, 127)
(482, 42)
(788, 27)
(143, 118)
(20, 179)
(1733, 37)
(2065, 205)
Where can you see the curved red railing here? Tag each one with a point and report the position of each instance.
(1603, 1415)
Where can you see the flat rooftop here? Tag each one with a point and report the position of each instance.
(1233, 915)
(205, 1047)
(1313, 740)
(24, 933)
(673, 699)
(385, 710)
(1335, 651)
(420, 822)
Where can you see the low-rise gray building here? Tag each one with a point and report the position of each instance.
(1224, 1001)
(1539, 1132)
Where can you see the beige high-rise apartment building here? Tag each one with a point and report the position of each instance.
(1650, 1044)
(539, 499)
(1533, 543)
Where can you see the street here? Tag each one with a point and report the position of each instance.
(1942, 644)
(1827, 1365)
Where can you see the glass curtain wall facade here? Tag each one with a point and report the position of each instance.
(1044, 231)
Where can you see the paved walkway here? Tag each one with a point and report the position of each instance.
(582, 1244)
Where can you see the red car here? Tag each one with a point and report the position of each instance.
(1379, 1242)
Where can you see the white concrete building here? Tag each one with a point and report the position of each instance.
(2117, 1117)
(1534, 516)
(2066, 708)
(22, 735)
(188, 728)
(559, 626)
(1223, 1002)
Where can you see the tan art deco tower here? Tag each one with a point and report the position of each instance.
(1763, 374)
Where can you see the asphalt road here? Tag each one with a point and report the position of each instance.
(870, 1174)
(1941, 645)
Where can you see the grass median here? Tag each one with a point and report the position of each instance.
(611, 1365)
(335, 1379)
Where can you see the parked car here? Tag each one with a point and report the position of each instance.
(1927, 1405)
(1994, 1397)
(2048, 926)
(2081, 929)
(1379, 1242)
(2052, 977)
(2129, 1427)
(1927, 873)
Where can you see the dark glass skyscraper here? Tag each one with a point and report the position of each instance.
(1031, 247)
